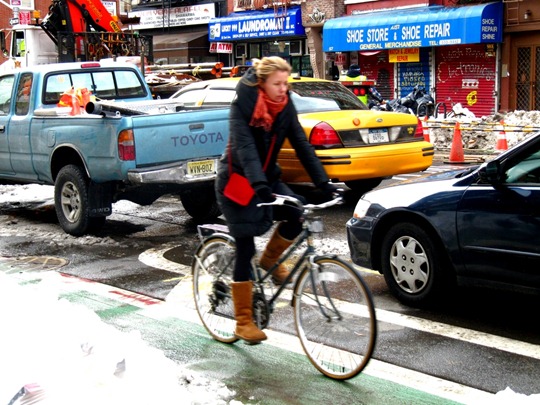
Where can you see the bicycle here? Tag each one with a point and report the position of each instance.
(333, 308)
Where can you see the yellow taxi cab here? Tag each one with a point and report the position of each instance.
(357, 146)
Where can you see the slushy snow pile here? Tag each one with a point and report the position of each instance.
(59, 353)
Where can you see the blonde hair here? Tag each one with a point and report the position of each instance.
(269, 64)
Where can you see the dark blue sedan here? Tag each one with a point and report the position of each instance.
(478, 226)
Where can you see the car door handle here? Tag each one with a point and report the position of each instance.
(196, 127)
(2, 128)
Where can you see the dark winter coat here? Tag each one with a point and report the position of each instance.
(249, 148)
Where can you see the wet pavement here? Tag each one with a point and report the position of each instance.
(276, 372)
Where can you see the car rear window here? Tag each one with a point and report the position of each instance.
(323, 96)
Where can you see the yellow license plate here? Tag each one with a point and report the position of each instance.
(201, 167)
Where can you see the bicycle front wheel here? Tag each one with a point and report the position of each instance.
(335, 318)
(212, 268)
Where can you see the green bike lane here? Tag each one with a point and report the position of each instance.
(274, 373)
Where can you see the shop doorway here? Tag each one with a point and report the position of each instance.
(527, 85)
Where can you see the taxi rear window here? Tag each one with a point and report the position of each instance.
(324, 96)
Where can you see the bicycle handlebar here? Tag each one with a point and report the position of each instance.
(281, 199)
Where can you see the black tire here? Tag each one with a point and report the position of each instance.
(200, 203)
(335, 318)
(212, 269)
(71, 202)
(363, 186)
(413, 267)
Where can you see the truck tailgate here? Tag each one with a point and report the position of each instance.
(181, 136)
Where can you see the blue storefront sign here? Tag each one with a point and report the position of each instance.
(415, 28)
(256, 24)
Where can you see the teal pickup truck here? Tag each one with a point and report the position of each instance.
(123, 146)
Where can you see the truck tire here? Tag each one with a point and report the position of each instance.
(200, 203)
(71, 202)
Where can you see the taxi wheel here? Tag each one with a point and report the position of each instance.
(364, 185)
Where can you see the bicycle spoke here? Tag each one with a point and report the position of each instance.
(335, 319)
(212, 275)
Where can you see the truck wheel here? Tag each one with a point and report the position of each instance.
(200, 203)
(71, 202)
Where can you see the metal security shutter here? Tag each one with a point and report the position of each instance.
(376, 67)
(466, 74)
(412, 74)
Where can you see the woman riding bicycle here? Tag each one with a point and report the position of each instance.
(262, 116)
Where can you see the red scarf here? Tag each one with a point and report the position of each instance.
(266, 111)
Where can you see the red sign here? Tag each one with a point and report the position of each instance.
(341, 59)
(221, 47)
(24, 17)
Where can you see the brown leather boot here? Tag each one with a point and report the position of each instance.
(246, 329)
(275, 247)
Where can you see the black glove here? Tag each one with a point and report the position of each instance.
(264, 192)
(331, 190)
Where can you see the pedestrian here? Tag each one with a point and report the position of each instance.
(262, 116)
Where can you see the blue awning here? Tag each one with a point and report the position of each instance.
(415, 28)
(256, 24)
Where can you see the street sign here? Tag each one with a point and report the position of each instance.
(13, 21)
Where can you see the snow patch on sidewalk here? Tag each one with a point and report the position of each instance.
(64, 354)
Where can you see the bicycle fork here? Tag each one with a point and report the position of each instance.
(315, 280)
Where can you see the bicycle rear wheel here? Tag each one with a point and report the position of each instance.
(335, 318)
(212, 269)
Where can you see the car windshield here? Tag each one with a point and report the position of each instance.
(323, 96)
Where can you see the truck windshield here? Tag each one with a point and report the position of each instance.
(123, 84)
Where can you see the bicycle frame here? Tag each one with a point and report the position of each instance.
(306, 259)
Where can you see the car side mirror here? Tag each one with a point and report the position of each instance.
(491, 173)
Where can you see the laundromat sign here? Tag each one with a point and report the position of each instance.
(256, 24)
(424, 27)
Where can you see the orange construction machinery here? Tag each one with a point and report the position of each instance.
(85, 30)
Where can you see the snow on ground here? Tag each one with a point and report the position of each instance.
(479, 134)
(29, 193)
(64, 354)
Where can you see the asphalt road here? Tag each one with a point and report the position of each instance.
(465, 351)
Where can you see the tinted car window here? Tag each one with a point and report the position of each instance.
(324, 96)
(526, 170)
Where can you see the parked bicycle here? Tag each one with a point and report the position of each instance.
(333, 308)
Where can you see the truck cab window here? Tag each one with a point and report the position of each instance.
(22, 103)
(128, 84)
(18, 44)
(6, 91)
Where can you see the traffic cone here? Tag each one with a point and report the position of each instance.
(425, 128)
(456, 152)
(502, 144)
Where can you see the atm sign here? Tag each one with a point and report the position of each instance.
(221, 47)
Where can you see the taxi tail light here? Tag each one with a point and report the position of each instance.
(358, 91)
(126, 145)
(419, 129)
(324, 136)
